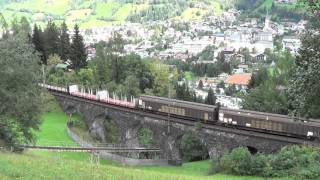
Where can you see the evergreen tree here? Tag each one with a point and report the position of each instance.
(116, 47)
(25, 26)
(3, 26)
(37, 40)
(64, 43)
(200, 85)
(78, 55)
(51, 39)
(211, 98)
(15, 26)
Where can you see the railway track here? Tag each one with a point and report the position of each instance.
(214, 127)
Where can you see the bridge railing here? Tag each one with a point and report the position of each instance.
(75, 145)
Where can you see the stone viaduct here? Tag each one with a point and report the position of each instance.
(218, 139)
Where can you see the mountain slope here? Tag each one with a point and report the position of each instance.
(107, 12)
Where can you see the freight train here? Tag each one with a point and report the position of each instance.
(211, 114)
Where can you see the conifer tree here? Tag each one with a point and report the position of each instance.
(78, 55)
(200, 85)
(3, 25)
(51, 38)
(37, 40)
(25, 26)
(64, 43)
(211, 98)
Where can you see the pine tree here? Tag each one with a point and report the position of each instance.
(211, 98)
(64, 43)
(51, 38)
(15, 26)
(116, 48)
(3, 25)
(78, 50)
(25, 26)
(200, 85)
(38, 43)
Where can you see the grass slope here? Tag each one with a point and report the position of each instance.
(28, 166)
(90, 13)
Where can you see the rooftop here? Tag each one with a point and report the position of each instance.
(239, 79)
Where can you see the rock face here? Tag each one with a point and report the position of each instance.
(217, 142)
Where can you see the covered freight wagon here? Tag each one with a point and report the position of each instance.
(189, 110)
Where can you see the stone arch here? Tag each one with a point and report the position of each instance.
(252, 150)
(70, 109)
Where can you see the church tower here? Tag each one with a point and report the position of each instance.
(267, 27)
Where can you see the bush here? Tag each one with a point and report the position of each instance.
(78, 120)
(146, 137)
(112, 131)
(294, 161)
(192, 148)
(214, 167)
(239, 162)
(309, 172)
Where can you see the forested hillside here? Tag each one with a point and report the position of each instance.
(108, 12)
(278, 11)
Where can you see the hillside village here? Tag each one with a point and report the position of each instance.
(228, 35)
(244, 44)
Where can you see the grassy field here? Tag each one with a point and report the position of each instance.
(30, 166)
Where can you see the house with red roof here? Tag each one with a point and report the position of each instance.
(240, 80)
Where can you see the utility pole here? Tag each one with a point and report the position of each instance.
(169, 96)
(43, 74)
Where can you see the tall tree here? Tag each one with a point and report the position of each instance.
(78, 50)
(200, 85)
(3, 25)
(38, 42)
(19, 91)
(15, 26)
(25, 26)
(304, 86)
(64, 43)
(211, 98)
(51, 39)
(268, 90)
(116, 48)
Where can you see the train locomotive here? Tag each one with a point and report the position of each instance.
(211, 114)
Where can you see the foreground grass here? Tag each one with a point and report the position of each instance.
(28, 166)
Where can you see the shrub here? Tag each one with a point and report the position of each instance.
(238, 162)
(295, 161)
(192, 148)
(146, 137)
(112, 131)
(310, 172)
(214, 167)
